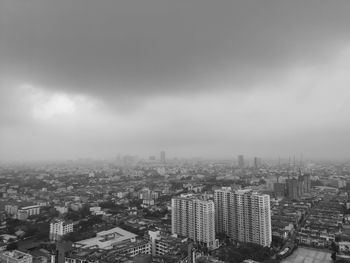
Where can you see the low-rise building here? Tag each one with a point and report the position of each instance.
(15, 256)
(32, 210)
(61, 209)
(344, 246)
(59, 228)
(22, 214)
(11, 209)
(107, 239)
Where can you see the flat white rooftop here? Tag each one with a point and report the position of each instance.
(107, 239)
(30, 207)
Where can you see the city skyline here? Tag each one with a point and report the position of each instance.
(93, 79)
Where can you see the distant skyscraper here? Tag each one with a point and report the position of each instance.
(243, 215)
(194, 218)
(307, 183)
(240, 161)
(257, 162)
(162, 157)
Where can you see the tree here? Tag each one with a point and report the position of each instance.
(337, 238)
(107, 205)
(334, 256)
(12, 246)
(277, 241)
(85, 211)
(334, 247)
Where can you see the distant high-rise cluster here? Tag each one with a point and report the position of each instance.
(194, 217)
(242, 162)
(243, 215)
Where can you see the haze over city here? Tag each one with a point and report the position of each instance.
(204, 78)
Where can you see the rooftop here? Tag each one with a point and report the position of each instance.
(107, 239)
(15, 254)
(30, 207)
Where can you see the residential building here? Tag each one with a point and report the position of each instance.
(243, 215)
(15, 256)
(96, 210)
(194, 217)
(147, 202)
(59, 228)
(22, 214)
(107, 239)
(293, 189)
(163, 244)
(132, 248)
(61, 209)
(32, 210)
(11, 209)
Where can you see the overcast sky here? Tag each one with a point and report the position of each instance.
(89, 78)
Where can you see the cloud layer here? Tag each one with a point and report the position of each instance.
(87, 78)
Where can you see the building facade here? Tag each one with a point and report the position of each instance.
(296, 187)
(194, 217)
(59, 228)
(32, 210)
(15, 256)
(11, 209)
(293, 191)
(243, 215)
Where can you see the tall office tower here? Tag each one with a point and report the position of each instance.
(293, 191)
(240, 161)
(162, 156)
(194, 217)
(243, 215)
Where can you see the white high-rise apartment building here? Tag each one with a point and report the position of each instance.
(243, 215)
(59, 228)
(194, 217)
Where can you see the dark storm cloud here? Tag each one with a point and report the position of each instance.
(136, 48)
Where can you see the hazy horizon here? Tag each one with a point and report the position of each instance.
(91, 79)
